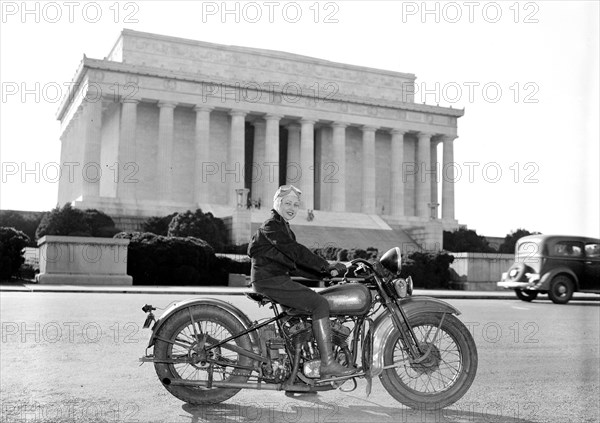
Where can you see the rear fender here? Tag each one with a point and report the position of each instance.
(231, 309)
(544, 284)
(384, 325)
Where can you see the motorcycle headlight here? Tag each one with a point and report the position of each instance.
(403, 287)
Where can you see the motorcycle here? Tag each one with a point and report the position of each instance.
(206, 350)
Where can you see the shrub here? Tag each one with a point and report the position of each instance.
(68, 221)
(466, 241)
(25, 222)
(332, 253)
(64, 221)
(27, 271)
(159, 260)
(199, 225)
(510, 240)
(342, 255)
(158, 225)
(12, 243)
(101, 224)
(428, 270)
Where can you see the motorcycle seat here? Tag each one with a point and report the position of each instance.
(264, 300)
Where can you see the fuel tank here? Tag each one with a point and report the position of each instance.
(351, 299)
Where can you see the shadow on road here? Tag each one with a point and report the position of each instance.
(309, 408)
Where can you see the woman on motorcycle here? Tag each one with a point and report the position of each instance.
(275, 254)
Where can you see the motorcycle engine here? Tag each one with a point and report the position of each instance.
(278, 368)
(301, 334)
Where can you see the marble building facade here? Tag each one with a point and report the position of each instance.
(165, 124)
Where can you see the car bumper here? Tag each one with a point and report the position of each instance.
(514, 285)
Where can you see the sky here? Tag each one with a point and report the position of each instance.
(526, 73)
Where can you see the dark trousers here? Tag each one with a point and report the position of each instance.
(285, 291)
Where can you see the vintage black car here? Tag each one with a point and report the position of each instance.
(556, 265)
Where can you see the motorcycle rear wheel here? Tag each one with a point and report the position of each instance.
(441, 379)
(217, 323)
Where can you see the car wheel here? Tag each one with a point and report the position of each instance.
(526, 295)
(561, 289)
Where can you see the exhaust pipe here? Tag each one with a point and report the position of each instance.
(217, 384)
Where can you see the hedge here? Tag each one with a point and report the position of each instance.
(160, 260)
(12, 243)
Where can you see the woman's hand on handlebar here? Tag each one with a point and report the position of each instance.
(337, 270)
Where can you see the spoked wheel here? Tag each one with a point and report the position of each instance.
(182, 340)
(444, 376)
(525, 295)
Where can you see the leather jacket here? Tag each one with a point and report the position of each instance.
(275, 252)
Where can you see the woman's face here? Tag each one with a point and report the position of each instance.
(289, 206)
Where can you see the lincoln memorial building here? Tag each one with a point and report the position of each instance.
(165, 124)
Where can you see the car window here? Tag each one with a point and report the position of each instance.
(567, 249)
(592, 250)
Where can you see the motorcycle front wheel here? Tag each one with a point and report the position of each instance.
(446, 373)
(181, 338)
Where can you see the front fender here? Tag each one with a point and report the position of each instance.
(384, 325)
(175, 307)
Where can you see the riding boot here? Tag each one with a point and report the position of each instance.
(329, 366)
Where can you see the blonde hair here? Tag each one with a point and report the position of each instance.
(281, 192)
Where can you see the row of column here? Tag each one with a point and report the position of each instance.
(266, 153)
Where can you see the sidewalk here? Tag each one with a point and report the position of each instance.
(224, 290)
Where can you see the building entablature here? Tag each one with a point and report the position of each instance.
(118, 81)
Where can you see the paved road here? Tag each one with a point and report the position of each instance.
(72, 357)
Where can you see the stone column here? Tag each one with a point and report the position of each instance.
(271, 164)
(368, 170)
(433, 203)
(338, 200)
(307, 163)
(397, 183)
(92, 170)
(127, 155)
(258, 167)
(165, 150)
(76, 138)
(293, 173)
(202, 138)
(237, 157)
(448, 177)
(423, 185)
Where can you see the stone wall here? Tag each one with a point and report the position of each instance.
(481, 271)
(71, 260)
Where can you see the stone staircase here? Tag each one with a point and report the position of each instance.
(343, 230)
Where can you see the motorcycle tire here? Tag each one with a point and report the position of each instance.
(219, 324)
(410, 383)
